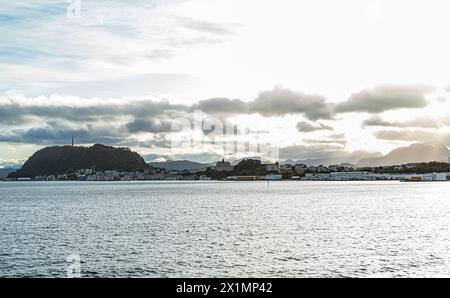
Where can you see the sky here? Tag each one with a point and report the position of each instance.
(330, 80)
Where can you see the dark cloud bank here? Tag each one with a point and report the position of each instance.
(113, 122)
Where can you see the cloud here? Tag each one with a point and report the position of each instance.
(333, 140)
(306, 127)
(58, 134)
(386, 97)
(276, 102)
(222, 106)
(205, 26)
(157, 141)
(280, 101)
(378, 121)
(325, 154)
(14, 109)
(147, 123)
(420, 136)
(422, 122)
(153, 126)
(204, 157)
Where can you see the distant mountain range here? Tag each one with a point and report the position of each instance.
(413, 154)
(11, 165)
(5, 172)
(179, 165)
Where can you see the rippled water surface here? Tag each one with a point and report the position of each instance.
(225, 229)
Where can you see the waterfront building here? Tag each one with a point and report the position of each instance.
(274, 177)
(428, 177)
(317, 177)
(350, 176)
(23, 179)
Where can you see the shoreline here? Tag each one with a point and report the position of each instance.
(211, 181)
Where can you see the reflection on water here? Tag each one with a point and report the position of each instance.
(225, 229)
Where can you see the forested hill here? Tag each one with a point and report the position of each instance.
(67, 159)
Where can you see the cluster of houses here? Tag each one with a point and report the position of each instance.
(428, 177)
(149, 174)
(352, 176)
(349, 173)
(337, 173)
(302, 169)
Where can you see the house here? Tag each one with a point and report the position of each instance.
(322, 169)
(441, 176)
(312, 169)
(272, 167)
(334, 168)
(274, 177)
(411, 166)
(398, 168)
(300, 169)
(159, 176)
(317, 177)
(285, 170)
(150, 170)
(174, 176)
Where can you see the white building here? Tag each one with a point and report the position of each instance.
(274, 177)
(350, 176)
(317, 177)
(441, 176)
(429, 177)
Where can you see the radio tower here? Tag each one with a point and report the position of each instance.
(72, 141)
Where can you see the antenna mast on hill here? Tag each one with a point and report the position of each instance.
(72, 142)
